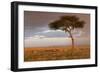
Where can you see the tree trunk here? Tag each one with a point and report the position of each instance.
(72, 41)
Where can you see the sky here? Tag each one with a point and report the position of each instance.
(38, 34)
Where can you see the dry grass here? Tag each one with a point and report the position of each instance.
(56, 53)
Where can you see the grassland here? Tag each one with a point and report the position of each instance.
(56, 53)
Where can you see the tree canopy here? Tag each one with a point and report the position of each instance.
(67, 23)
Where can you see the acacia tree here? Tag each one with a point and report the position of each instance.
(67, 24)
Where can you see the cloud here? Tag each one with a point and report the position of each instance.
(50, 31)
(36, 37)
(34, 24)
(60, 33)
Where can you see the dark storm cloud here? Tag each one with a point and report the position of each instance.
(35, 22)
